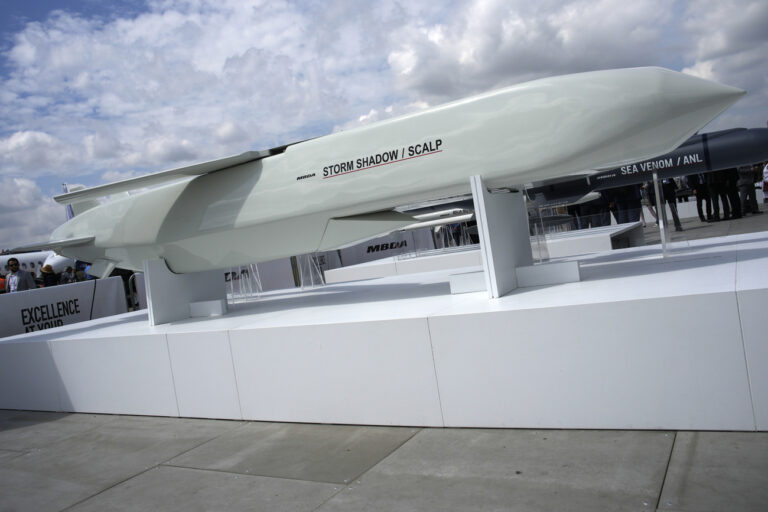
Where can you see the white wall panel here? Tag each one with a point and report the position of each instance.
(119, 375)
(752, 309)
(203, 375)
(364, 373)
(674, 363)
(28, 377)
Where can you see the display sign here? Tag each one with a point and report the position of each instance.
(43, 308)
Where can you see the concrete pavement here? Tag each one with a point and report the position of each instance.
(84, 462)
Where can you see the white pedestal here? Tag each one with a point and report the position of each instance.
(172, 297)
(548, 273)
(502, 223)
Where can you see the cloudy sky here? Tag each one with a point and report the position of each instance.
(99, 90)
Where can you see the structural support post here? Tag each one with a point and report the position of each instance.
(661, 213)
(505, 244)
(173, 297)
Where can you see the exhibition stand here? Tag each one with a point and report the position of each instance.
(641, 342)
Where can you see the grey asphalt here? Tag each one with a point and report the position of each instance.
(85, 462)
(88, 462)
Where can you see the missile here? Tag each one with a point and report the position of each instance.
(339, 189)
(701, 153)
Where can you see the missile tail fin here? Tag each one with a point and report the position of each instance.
(76, 208)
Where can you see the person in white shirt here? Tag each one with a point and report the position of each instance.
(765, 183)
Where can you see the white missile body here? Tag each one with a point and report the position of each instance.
(341, 188)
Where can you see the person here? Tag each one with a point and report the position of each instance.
(649, 196)
(634, 203)
(698, 184)
(765, 183)
(68, 276)
(716, 185)
(668, 190)
(18, 280)
(746, 184)
(592, 213)
(48, 276)
(732, 190)
(626, 202)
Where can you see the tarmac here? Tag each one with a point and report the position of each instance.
(88, 462)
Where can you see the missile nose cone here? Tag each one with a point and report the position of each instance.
(686, 103)
(692, 90)
(712, 90)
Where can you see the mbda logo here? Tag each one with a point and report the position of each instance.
(387, 246)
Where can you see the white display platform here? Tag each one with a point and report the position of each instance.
(427, 261)
(558, 245)
(642, 342)
(585, 241)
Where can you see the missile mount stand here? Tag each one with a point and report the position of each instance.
(173, 297)
(505, 247)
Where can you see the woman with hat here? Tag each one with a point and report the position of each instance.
(49, 276)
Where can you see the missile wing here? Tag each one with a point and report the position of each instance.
(344, 187)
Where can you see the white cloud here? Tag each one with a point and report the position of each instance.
(27, 214)
(375, 115)
(169, 148)
(490, 43)
(36, 152)
(101, 146)
(729, 45)
(189, 80)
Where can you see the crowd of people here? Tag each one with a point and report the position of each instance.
(732, 189)
(720, 196)
(19, 280)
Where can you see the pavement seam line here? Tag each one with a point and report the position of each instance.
(69, 507)
(156, 466)
(344, 487)
(255, 475)
(666, 470)
(167, 461)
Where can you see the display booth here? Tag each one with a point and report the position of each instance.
(45, 308)
(621, 339)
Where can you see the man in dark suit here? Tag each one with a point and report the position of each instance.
(668, 190)
(698, 184)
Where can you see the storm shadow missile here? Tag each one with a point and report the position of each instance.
(701, 153)
(335, 190)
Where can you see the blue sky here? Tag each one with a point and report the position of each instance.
(96, 91)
